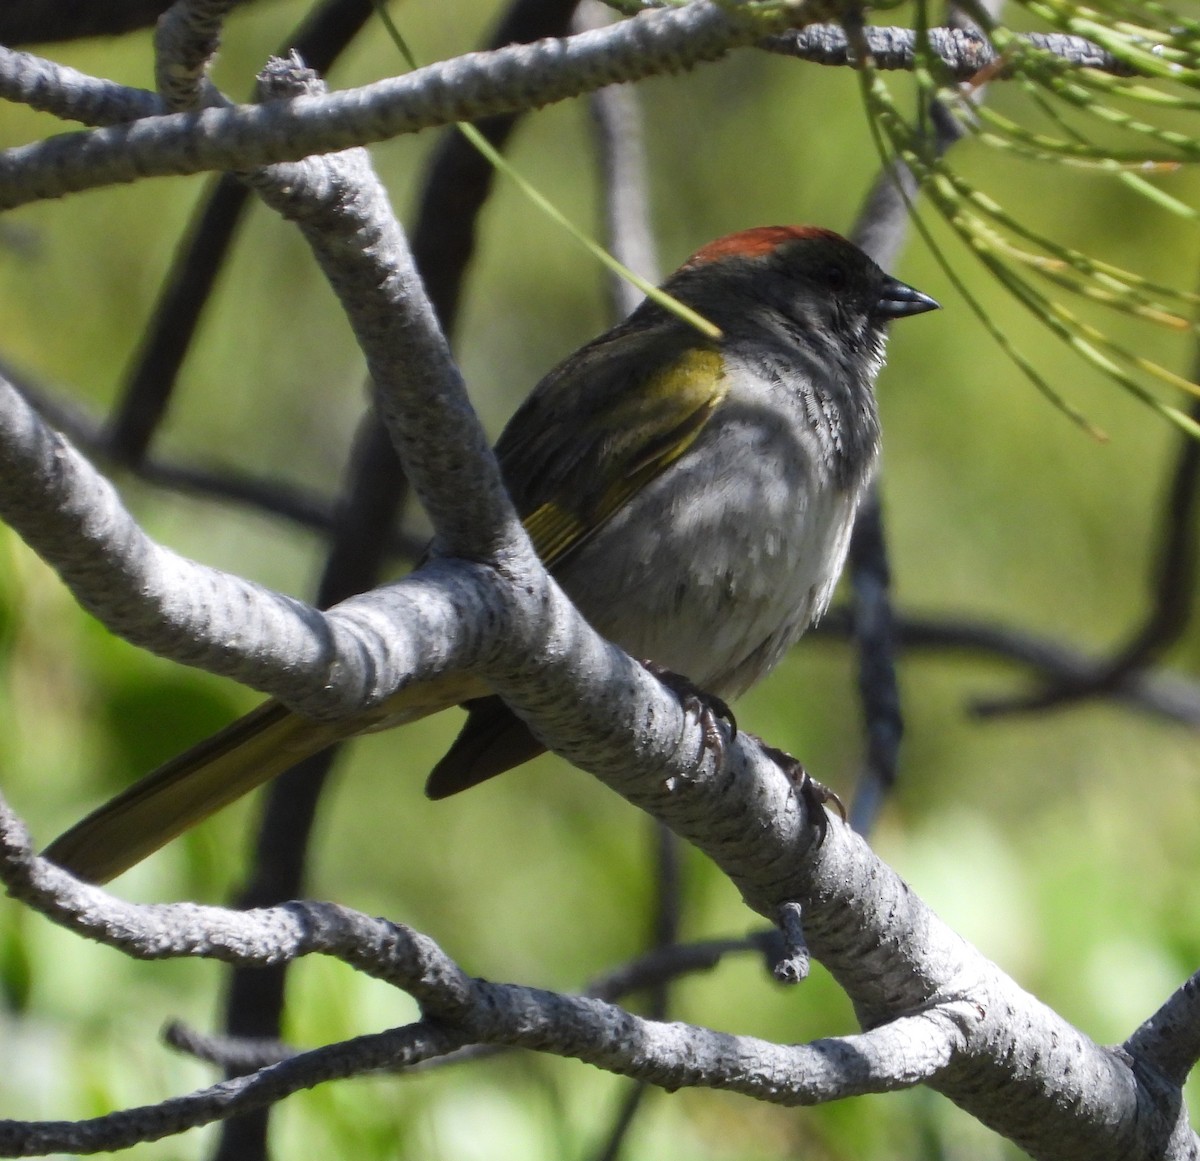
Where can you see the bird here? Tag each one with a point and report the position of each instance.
(693, 496)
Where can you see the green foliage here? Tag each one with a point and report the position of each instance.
(1092, 127)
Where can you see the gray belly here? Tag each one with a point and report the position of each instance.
(717, 566)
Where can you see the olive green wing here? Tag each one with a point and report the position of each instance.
(602, 426)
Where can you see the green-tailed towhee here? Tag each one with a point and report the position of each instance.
(693, 496)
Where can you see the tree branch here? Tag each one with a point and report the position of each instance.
(1169, 1042)
(478, 1010)
(186, 40)
(976, 1037)
(962, 53)
(393, 1049)
(463, 89)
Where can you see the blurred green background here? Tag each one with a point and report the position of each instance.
(1063, 845)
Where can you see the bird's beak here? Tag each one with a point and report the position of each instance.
(898, 300)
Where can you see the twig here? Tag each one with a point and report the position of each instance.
(186, 39)
(465, 1010)
(1168, 696)
(963, 53)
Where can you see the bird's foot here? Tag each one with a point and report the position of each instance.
(815, 795)
(710, 710)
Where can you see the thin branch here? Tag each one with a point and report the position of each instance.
(962, 53)
(238, 1055)
(1169, 1042)
(648, 972)
(632, 1101)
(1165, 695)
(186, 39)
(662, 965)
(72, 95)
(396, 1048)
(490, 1013)
(1173, 589)
(878, 687)
(463, 89)
(1001, 1057)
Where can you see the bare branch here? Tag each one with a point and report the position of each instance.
(663, 964)
(394, 1049)
(1169, 1042)
(186, 39)
(67, 93)
(74, 96)
(963, 53)
(240, 1054)
(492, 1013)
(463, 89)
(1166, 695)
(1002, 1056)
(1173, 592)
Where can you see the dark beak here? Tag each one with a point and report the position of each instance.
(898, 300)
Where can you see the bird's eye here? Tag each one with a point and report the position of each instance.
(835, 276)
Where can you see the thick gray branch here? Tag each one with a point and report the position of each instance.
(462, 89)
(344, 213)
(990, 1047)
(468, 87)
(326, 664)
(672, 1055)
(74, 96)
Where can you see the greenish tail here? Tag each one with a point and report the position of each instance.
(187, 789)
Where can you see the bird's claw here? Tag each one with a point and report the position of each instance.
(815, 795)
(709, 710)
